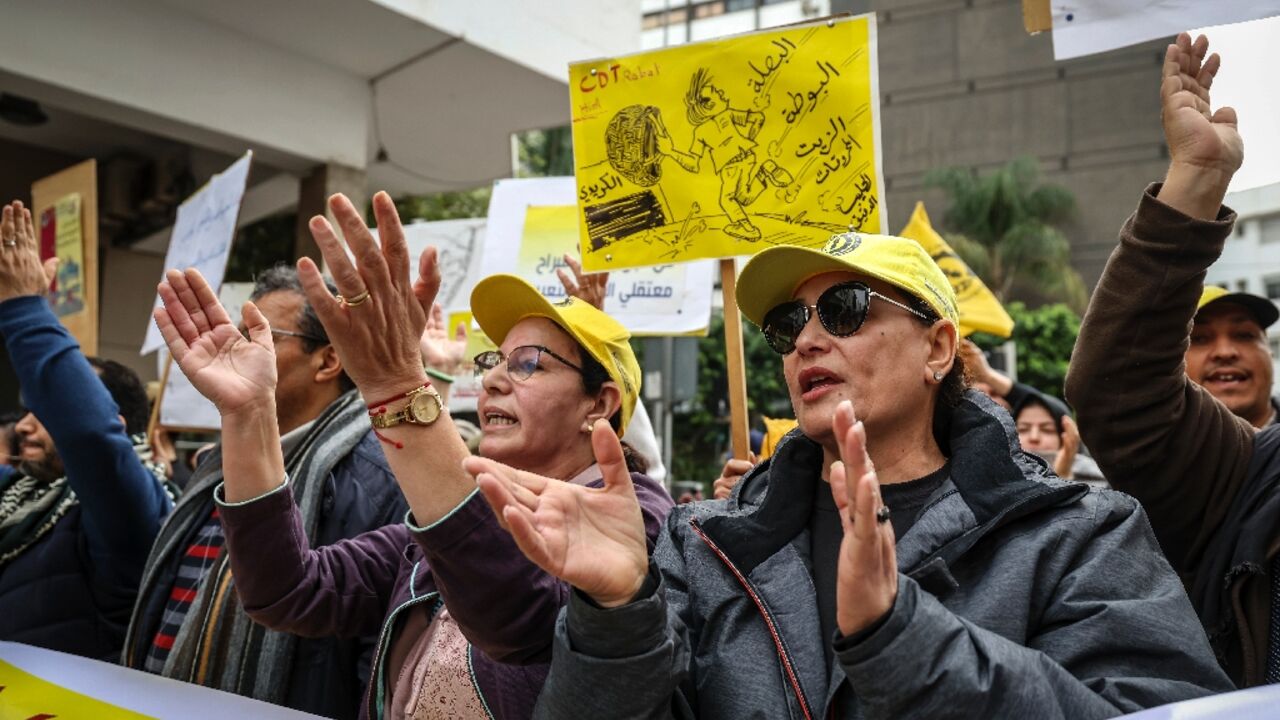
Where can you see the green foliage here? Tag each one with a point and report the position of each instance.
(1006, 226)
(701, 436)
(445, 205)
(545, 153)
(260, 245)
(1044, 338)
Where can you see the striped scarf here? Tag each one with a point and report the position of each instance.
(29, 508)
(219, 645)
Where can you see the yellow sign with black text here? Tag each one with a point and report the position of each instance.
(728, 147)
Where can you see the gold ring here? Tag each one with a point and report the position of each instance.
(360, 299)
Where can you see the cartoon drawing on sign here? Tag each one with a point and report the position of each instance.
(727, 136)
(726, 147)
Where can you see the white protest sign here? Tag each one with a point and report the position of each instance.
(181, 405)
(533, 223)
(203, 231)
(459, 245)
(43, 683)
(1084, 27)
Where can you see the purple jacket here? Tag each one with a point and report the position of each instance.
(505, 605)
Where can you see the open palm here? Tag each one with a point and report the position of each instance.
(592, 538)
(1197, 135)
(235, 373)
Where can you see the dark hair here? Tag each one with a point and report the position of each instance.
(284, 278)
(594, 376)
(951, 392)
(1052, 405)
(127, 390)
(693, 105)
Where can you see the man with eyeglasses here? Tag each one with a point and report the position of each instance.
(898, 556)
(343, 486)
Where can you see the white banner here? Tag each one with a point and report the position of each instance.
(39, 683)
(1084, 27)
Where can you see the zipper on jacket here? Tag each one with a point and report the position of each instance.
(768, 621)
(376, 700)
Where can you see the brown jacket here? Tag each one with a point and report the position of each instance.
(1210, 487)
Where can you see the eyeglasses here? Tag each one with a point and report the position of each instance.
(841, 309)
(288, 333)
(521, 361)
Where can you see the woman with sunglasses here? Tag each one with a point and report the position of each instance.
(897, 557)
(465, 622)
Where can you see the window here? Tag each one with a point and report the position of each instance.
(707, 10)
(1269, 228)
(1242, 285)
(736, 5)
(1273, 344)
(1271, 286)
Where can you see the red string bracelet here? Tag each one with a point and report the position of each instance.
(380, 408)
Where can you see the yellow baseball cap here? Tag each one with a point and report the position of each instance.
(1262, 309)
(500, 301)
(771, 277)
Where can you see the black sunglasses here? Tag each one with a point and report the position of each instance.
(521, 362)
(841, 309)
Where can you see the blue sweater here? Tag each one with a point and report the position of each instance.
(73, 589)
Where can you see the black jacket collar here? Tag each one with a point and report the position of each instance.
(996, 480)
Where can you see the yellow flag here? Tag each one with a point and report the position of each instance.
(774, 429)
(980, 311)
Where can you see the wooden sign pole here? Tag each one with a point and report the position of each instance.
(739, 433)
(154, 420)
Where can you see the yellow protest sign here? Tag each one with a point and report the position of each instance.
(24, 696)
(980, 310)
(728, 147)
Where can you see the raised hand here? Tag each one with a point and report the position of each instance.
(592, 538)
(867, 575)
(1066, 458)
(731, 475)
(440, 351)
(378, 324)
(236, 373)
(1205, 147)
(1197, 135)
(587, 287)
(21, 272)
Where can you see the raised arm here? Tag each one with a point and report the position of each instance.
(377, 337)
(337, 590)
(121, 502)
(1154, 433)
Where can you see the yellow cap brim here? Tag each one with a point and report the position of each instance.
(772, 276)
(498, 302)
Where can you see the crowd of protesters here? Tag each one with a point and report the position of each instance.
(931, 540)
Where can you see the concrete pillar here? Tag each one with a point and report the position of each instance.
(313, 196)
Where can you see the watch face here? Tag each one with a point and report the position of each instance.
(424, 408)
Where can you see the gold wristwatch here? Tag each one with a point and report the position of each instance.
(423, 409)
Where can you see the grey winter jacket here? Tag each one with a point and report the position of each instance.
(1020, 595)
